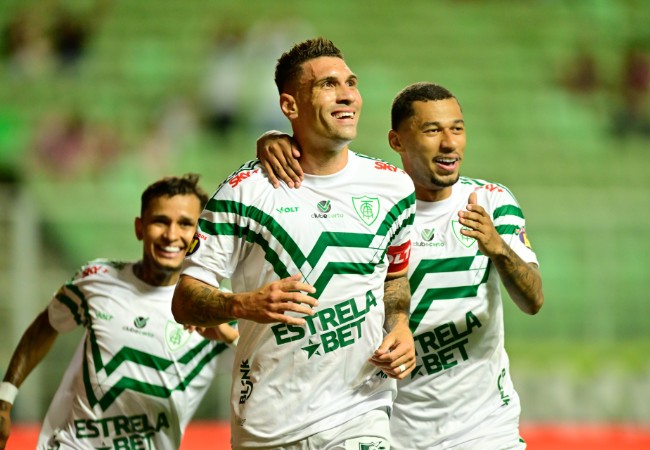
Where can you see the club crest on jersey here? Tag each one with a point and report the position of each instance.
(367, 208)
(175, 335)
(467, 241)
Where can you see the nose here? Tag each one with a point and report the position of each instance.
(172, 232)
(347, 94)
(448, 140)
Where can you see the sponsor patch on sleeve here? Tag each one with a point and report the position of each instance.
(398, 257)
(523, 237)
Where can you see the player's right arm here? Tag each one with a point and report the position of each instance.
(32, 348)
(279, 155)
(203, 305)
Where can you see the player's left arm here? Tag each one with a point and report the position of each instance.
(396, 354)
(522, 280)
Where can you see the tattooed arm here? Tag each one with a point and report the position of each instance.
(32, 348)
(396, 355)
(522, 280)
(200, 304)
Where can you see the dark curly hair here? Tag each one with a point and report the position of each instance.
(171, 186)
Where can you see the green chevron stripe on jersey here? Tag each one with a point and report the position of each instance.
(128, 354)
(445, 265)
(325, 240)
(126, 383)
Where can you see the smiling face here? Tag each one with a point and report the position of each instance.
(166, 229)
(323, 104)
(431, 143)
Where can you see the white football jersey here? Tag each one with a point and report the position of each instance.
(137, 377)
(340, 232)
(462, 372)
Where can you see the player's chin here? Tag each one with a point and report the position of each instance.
(445, 180)
(170, 265)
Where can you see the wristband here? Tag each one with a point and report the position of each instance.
(8, 392)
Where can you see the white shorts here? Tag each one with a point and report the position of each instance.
(370, 431)
(498, 431)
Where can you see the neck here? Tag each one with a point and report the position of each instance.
(324, 161)
(155, 277)
(432, 195)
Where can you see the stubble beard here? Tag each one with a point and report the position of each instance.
(444, 183)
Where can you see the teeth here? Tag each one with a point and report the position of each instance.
(344, 115)
(171, 249)
(446, 160)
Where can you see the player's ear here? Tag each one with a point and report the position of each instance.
(288, 106)
(139, 232)
(394, 141)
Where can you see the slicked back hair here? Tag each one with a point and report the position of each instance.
(402, 107)
(289, 65)
(188, 184)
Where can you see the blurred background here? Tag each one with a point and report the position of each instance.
(98, 98)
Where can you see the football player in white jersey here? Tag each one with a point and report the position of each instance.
(468, 235)
(138, 376)
(319, 275)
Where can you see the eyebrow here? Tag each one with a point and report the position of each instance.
(335, 79)
(439, 124)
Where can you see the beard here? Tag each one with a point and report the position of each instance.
(444, 182)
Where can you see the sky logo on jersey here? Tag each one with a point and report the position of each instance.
(92, 270)
(381, 165)
(176, 335)
(467, 241)
(241, 176)
(367, 208)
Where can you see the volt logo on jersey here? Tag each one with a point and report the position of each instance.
(367, 208)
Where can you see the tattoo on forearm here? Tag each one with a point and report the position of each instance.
(397, 300)
(208, 305)
(522, 281)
